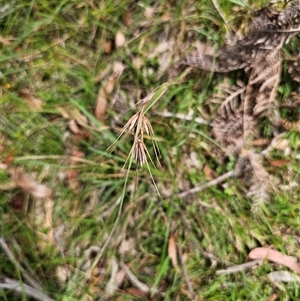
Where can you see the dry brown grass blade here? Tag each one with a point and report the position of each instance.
(249, 167)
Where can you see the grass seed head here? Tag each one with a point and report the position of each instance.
(140, 152)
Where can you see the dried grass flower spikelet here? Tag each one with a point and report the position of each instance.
(139, 152)
(139, 124)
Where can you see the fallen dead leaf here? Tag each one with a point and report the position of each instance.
(64, 113)
(278, 163)
(136, 292)
(62, 274)
(160, 48)
(127, 246)
(3, 166)
(137, 62)
(166, 17)
(275, 256)
(112, 284)
(120, 39)
(127, 19)
(6, 41)
(74, 128)
(77, 155)
(118, 69)
(260, 142)
(149, 12)
(107, 46)
(283, 276)
(37, 190)
(25, 182)
(8, 159)
(109, 85)
(78, 123)
(172, 250)
(274, 297)
(33, 102)
(280, 144)
(209, 173)
(72, 174)
(120, 277)
(106, 89)
(101, 104)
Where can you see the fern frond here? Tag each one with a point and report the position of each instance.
(294, 69)
(229, 97)
(290, 15)
(222, 62)
(250, 169)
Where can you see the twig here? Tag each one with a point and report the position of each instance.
(240, 267)
(208, 184)
(11, 284)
